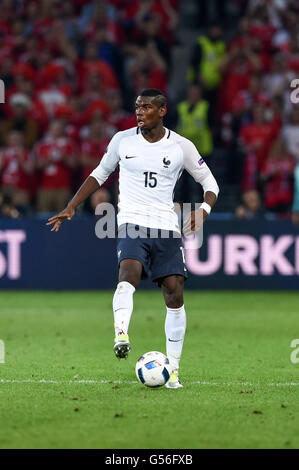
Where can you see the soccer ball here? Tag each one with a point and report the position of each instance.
(153, 369)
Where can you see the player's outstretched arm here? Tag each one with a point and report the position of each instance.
(89, 186)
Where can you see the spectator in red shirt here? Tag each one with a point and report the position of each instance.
(92, 150)
(244, 99)
(92, 64)
(237, 72)
(260, 58)
(261, 26)
(93, 147)
(98, 110)
(147, 68)
(242, 40)
(241, 110)
(94, 90)
(15, 170)
(238, 68)
(56, 156)
(55, 87)
(257, 136)
(137, 11)
(277, 177)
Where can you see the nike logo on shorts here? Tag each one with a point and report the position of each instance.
(134, 156)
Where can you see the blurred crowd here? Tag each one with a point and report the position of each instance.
(260, 108)
(72, 70)
(243, 92)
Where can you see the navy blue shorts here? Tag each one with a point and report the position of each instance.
(160, 257)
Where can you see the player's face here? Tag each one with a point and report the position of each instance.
(148, 114)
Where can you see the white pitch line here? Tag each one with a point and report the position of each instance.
(100, 382)
(68, 381)
(273, 384)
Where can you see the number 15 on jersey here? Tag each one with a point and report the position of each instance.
(150, 179)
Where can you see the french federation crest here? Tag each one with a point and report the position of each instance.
(166, 162)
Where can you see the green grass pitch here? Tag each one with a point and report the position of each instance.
(62, 387)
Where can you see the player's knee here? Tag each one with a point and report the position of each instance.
(129, 276)
(174, 300)
(173, 295)
(130, 279)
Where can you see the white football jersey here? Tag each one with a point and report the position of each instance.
(148, 172)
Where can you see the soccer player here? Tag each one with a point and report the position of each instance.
(151, 159)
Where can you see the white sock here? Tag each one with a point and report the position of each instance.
(175, 327)
(123, 306)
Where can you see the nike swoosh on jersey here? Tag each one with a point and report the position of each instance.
(134, 156)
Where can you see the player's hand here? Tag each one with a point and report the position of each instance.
(67, 213)
(194, 221)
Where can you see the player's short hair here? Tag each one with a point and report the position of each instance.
(158, 95)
